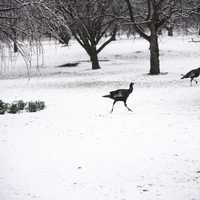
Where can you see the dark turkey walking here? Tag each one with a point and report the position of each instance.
(120, 95)
(192, 74)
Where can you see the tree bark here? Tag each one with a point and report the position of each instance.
(170, 31)
(160, 32)
(154, 53)
(15, 47)
(94, 59)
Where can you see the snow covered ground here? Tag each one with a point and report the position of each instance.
(76, 150)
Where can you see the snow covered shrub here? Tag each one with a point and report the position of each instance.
(3, 107)
(34, 106)
(31, 106)
(2, 111)
(13, 108)
(40, 105)
(21, 104)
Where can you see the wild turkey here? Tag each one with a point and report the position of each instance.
(120, 95)
(192, 74)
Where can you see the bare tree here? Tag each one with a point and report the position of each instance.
(89, 20)
(148, 20)
(190, 15)
(25, 21)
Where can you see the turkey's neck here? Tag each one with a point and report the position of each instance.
(130, 88)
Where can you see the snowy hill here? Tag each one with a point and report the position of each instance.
(75, 149)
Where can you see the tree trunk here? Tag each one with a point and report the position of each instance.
(154, 53)
(94, 59)
(15, 47)
(170, 31)
(160, 32)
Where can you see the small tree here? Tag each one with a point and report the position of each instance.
(147, 21)
(190, 14)
(89, 20)
(27, 20)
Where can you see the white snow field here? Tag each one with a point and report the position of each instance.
(76, 150)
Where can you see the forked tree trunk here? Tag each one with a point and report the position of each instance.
(94, 59)
(154, 53)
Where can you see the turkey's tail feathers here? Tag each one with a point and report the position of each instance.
(183, 76)
(108, 96)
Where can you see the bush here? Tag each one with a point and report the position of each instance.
(17, 106)
(40, 105)
(13, 108)
(31, 107)
(35, 106)
(3, 107)
(21, 104)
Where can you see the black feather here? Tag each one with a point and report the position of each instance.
(192, 74)
(120, 95)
